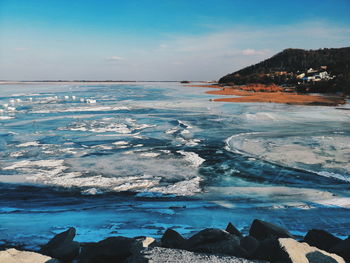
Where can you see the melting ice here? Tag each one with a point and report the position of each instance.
(133, 159)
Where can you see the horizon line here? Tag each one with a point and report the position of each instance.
(24, 81)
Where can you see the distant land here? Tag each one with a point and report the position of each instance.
(82, 81)
(323, 71)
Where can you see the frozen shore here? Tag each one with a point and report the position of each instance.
(266, 242)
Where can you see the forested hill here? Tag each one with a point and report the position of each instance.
(288, 66)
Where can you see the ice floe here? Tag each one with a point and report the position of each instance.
(83, 109)
(193, 158)
(28, 144)
(150, 154)
(6, 117)
(324, 155)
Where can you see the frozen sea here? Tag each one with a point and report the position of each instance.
(133, 159)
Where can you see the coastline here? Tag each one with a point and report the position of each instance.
(271, 94)
(252, 93)
(265, 242)
(78, 82)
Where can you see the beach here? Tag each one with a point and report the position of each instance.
(272, 94)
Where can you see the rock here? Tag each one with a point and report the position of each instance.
(172, 239)
(62, 246)
(303, 253)
(208, 235)
(16, 256)
(249, 244)
(161, 255)
(146, 241)
(289, 250)
(321, 239)
(233, 230)
(61, 238)
(226, 247)
(112, 249)
(270, 250)
(342, 249)
(262, 230)
(66, 252)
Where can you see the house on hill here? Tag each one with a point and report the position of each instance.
(315, 75)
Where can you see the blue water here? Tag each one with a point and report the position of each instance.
(135, 159)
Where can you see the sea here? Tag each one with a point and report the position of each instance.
(133, 159)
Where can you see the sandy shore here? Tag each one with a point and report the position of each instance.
(205, 86)
(288, 98)
(271, 94)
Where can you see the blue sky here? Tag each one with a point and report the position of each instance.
(159, 40)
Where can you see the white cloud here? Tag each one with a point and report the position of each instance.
(203, 56)
(115, 58)
(212, 55)
(252, 52)
(261, 41)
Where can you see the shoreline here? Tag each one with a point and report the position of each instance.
(81, 82)
(255, 93)
(9, 82)
(265, 242)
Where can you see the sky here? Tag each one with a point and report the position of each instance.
(159, 39)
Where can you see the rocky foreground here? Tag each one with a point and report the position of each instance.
(266, 242)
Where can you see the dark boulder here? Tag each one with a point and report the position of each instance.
(342, 249)
(321, 239)
(270, 250)
(172, 239)
(112, 249)
(61, 238)
(262, 230)
(62, 246)
(249, 244)
(208, 235)
(66, 252)
(226, 247)
(233, 230)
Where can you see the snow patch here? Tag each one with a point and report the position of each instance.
(192, 158)
(27, 144)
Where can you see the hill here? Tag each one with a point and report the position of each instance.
(323, 70)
